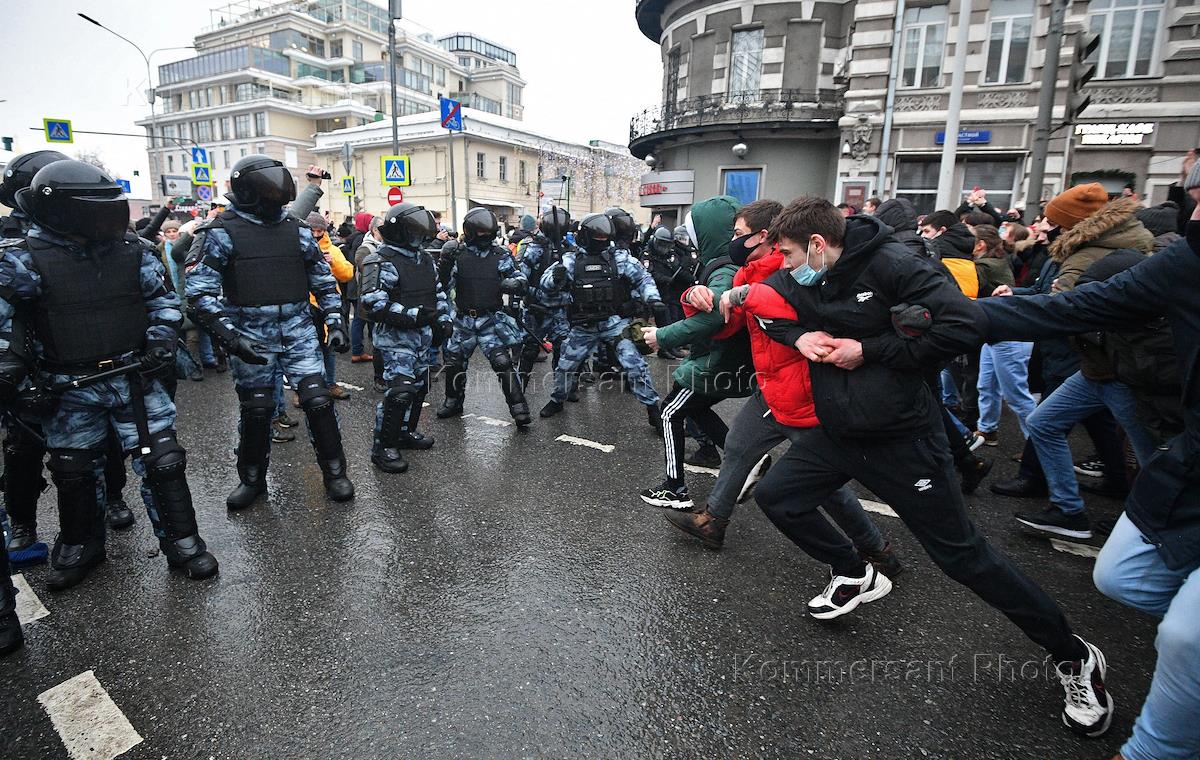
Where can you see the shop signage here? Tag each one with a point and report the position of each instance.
(967, 137)
(1119, 135)
(674, 188)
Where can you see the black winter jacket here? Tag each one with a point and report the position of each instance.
(887, 396)
(1165, 501)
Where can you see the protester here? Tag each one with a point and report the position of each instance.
(343, 272)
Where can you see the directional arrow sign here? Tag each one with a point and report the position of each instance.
(451, 115)
(125, 186)
(348, 186)
(58, 130)
(201, 174)
(199, 156)
(394, 170)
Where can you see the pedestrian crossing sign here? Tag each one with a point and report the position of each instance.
(348, 186)
(394, 171)
(58, 130)
(201, 174)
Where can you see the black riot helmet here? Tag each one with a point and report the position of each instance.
(480, 226)
(595, 233)
(19, 173)
(261, 186)
(555, 223)
(624, 228)
(663, 241)
(682, 236)
(78, 199)
(407, 225)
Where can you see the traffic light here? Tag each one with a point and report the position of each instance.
(1082, 72)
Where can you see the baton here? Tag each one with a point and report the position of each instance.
(107, 374)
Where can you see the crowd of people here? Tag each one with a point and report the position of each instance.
(879, 346)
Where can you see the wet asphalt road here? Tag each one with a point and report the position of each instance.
(511, 597)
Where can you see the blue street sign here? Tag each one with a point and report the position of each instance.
(204, 193)
(201, 174)
(452, 115)
(967, 137)
(394, 171)
(58, 130)
(199, 156)
(125, 186)
(348, 186)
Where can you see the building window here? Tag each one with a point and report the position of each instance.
(170, 163)
(1009, 28)
(260, 123)
(1129, 34)
(480, 166)
(745, 61)
(291, 157)
(225, 158)
(996, 177)
(243, 152)
(504, 168)
(522, 173)
(356, 50)
(226, 128)
(335, 48)
(514, 94)
(241, 126)
(917, 181)
(743, 184)
(924, 40)
(202, 130)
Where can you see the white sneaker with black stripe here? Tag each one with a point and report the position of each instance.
(760, 469)
(1089, 706)
(666, 496)
(843, 594)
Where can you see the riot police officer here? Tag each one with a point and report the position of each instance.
(673, 271)
(249, 289)
(401, 295)
(545, 314)
(480, 273)
(105, 326)
(604, 282)
(687, 249)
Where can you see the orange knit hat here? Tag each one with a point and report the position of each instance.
(1072, 206)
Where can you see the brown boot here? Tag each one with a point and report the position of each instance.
(338, 393)
(703, 525)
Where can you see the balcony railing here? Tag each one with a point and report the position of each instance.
(746, 107)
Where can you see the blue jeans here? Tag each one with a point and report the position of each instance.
(1004, 373)
(277, 393)
(1074, 400)
(949, 389)
(330, 359)
(1131, 571)
(204, 343)
(358, 326)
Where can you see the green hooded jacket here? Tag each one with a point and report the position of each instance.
(720, 368)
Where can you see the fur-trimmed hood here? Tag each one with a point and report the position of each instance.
(1113, 226)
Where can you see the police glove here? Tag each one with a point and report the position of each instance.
(425, 316)
(34, 404)
(659, 310)
(243, 349)
(442, 332)
(13, 372)
(513, 285)
(559, 275)
(337, 339)
(155, 359)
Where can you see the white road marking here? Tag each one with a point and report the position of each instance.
(1079, 550)
(89, 723)
(348, 386)
(879, 508)
(29, 607)
(606, 448)
(424, 404)
(489, 420)
(701, 470)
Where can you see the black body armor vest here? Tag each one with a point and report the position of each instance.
(477, 282)
(267, 267)
(598, 290)
(416, 281)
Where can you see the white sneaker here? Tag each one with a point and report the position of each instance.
(973, 441)
(752, 479)
(1089, 706)
(843, 594)
(665, 496)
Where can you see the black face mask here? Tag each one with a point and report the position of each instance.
(1052, 235)
(1192, 232)
(738, 252)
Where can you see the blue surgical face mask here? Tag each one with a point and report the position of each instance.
(806, 275)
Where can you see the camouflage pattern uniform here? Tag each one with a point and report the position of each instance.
(545, 313)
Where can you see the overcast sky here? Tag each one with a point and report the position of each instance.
(588, 67)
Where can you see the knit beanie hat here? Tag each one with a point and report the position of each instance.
(317, 221)
(170, 224)
(527, 223)
(1072, 206)
(1160, 219)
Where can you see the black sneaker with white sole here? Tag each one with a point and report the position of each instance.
(676, 497)
(760, 469)
(1054, 521)
(1090, 468)
(1089, 706)
(843, 594)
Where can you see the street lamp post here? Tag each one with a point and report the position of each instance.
(150, 94)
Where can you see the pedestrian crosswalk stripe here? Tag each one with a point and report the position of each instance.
(879, 508)
(87, 720)
(1079, 550)
(489, 420)
(606, 448)
(29, 607)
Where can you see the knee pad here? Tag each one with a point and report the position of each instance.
(500, 360)
(73, 465)
(167, 460)
(402, 385)
(257, 402)
(313, 392)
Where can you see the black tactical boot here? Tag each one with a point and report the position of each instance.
(118, 514)
(79, 545)
(327, 442)
(254, 447)
(11, 637)
(456, 392)
(174, 517)
(551, 408)
(409, 437)
(514, 396)
(386, 452)
(21, 536)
